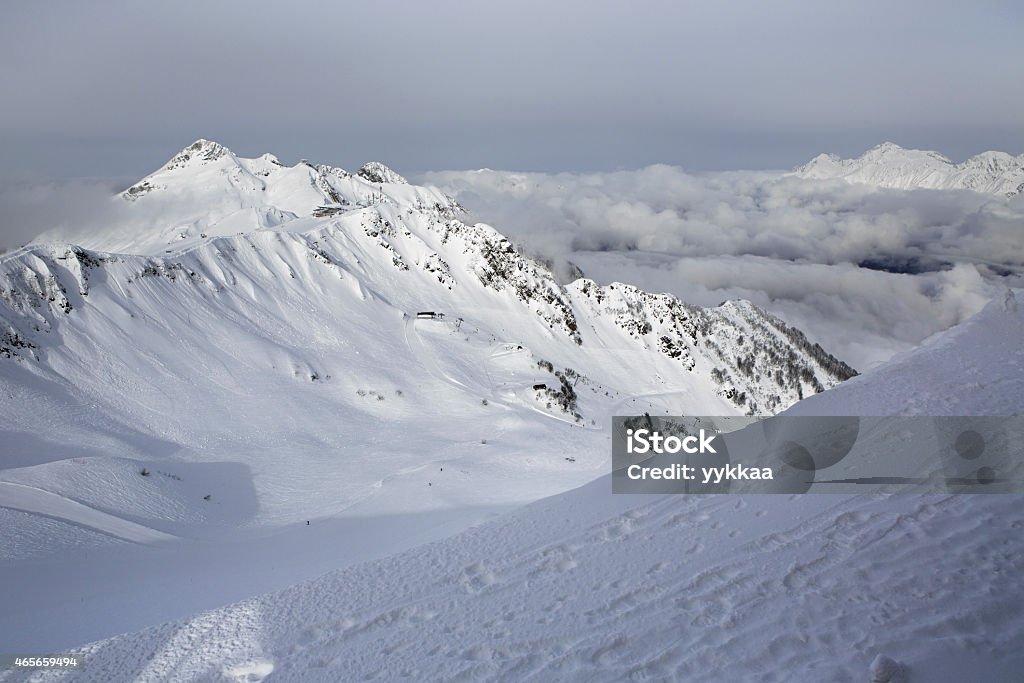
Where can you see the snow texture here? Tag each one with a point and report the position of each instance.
(315, 397)
(590, 586)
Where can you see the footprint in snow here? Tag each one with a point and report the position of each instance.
(618, 530)
(477, 577)
(251, 672)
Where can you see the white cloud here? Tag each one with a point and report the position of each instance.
(29, 208)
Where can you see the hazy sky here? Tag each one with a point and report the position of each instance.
(115, 88)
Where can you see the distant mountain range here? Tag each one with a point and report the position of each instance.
(889, 165)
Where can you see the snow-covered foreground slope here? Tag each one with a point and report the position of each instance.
(193, 415)
(975, 368)
(889, 165)
(588, 586)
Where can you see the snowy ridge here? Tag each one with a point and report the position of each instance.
(587, 586)
(376, 172)
(889, 165)
(206, 192)
(749, 360)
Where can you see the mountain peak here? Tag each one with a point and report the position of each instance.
(376, 172)
(886, 147)
(201, 151)
(270, 159)
(995, 161)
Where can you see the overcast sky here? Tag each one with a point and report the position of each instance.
(115, 88)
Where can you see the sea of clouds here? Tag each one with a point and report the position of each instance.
(866, 272)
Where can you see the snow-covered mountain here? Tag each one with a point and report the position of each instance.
(589, 586)
(889, 165)
(253, 346)
(403, 247)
